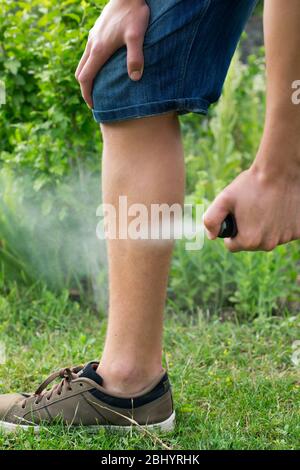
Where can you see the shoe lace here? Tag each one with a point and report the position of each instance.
(67, 374)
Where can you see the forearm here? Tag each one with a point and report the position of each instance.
(281, 140)
(265, 199)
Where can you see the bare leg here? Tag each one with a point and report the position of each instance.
(142, 159)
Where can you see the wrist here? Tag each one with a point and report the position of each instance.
(277, 162)
(279, 151)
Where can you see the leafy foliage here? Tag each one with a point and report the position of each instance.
(226, 143)
(45, 125)
(49, 154)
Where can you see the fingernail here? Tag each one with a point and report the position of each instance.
(135, 75)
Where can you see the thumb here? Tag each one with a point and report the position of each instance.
(216, 213)
(135, 57)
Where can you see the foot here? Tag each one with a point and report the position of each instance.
(80, 399)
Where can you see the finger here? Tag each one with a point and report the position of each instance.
(234, 245)
(216, 214)
(83, 59)
(135, 57)
(248, 242)
(98, 56)
(86, 91)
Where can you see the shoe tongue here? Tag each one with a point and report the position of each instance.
(89, 371)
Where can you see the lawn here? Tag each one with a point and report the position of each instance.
(235, 385)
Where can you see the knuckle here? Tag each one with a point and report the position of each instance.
(226, 196)
(269, 245)
(146, 12)
(83, 78)
(232, 249)
(286, 239)
(231, 246)
(252, 243)
(132, 35)
(209, 221)
(96, 47)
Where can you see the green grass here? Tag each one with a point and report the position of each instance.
(235, 386)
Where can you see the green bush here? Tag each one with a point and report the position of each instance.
(49, 145)
(45, 125)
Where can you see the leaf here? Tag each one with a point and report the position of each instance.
(73, 16)
(13, 66)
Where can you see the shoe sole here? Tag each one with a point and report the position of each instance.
(164, 426)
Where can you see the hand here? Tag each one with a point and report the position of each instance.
(266, 206)
(121, 23)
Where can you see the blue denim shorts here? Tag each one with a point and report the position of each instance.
(188, 48)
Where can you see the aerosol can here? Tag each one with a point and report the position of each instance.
(228, 227)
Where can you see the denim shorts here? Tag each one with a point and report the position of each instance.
(188, 48)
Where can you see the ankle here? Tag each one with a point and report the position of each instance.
(126, 379)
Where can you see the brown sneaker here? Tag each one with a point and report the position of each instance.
(80, 399)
